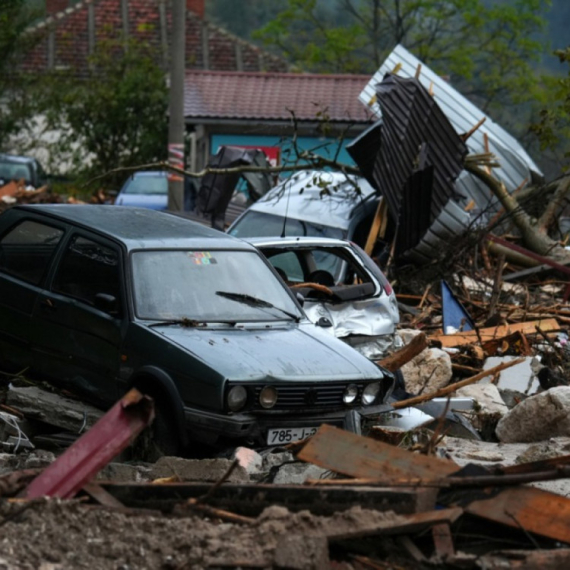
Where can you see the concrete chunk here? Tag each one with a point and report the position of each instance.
(428, 371)
(206, 470)
(537, 418)
(520, 377)
(53, 409)
(302, 553)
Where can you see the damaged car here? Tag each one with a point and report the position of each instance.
(99, 299)
(344, 291)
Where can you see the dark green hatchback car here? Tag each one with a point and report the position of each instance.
(99, 299)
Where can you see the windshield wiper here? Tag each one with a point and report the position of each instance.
(190, 323)
(255, 302)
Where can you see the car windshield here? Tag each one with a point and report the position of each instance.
(15, 171)
(261, 224)
(146, 185)
(187, 284)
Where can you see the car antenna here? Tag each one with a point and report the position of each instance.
(286, 213)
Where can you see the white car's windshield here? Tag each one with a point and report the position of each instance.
(208, 286)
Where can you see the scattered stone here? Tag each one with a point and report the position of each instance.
(298, 473)
(512, 398)
(544, 450)
(124, 473)
(520, 377)
(428, 371)
(38, 459)
(249, 459)
(53, 409)
(537, 418)
(302, 553)
(204, 470)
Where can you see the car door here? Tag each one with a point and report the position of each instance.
(80, 336)
(27, 249)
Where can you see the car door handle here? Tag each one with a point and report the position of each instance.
(48, 305)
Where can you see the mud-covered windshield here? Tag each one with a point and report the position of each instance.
(184, 284)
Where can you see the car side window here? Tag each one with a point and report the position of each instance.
(26, 250)
(288, 266)
(88, 268)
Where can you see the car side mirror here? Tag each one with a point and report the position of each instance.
(107, 303)
(300, 298)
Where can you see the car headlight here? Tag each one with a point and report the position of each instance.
(350, 394)
(268, 397)
(370, 393)
(237, 397)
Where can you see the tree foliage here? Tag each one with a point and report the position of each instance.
(117, 114)
(15, 88)
(553, 127)
(488, 48)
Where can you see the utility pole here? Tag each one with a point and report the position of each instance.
(176, 118)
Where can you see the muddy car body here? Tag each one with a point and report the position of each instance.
(100, 299)
(341, 284)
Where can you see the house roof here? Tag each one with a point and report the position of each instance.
(272, 96)
(66, 38)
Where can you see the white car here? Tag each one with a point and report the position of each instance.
(343, 290)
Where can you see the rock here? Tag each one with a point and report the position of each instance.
(488, 410)
(38, 459)
(544, 450)
(249, 459)
(205, 470)
(520, 377)
(537, 418)
(53, 409)
(297, 473)
(302, 553)
(124, 473)
(428, 371)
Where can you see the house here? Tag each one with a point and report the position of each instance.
(256, 109)
(69, 34)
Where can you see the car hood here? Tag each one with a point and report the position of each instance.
(289, 352)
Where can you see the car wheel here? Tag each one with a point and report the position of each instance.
(159, 439)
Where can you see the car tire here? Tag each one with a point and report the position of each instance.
(159, 439)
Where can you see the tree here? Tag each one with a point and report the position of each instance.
(488, 50)
(15, 88)
(117, 115)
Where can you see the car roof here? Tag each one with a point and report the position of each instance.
(301, 241)
(139, 228)
(300, 197)
(17, 159)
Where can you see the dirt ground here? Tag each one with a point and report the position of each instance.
(55, 535)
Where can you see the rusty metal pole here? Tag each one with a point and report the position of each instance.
(176, 114)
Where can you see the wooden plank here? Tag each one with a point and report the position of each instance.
(380, 214)
(527, 508)
(350, 454)
(491, 333)
(403, 524)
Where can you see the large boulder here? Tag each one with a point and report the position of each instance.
(429, 371)
(537, 418)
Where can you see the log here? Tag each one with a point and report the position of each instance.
(399, 358)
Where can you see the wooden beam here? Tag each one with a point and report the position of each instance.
(399, 358)
(379, 216)
(350, 454)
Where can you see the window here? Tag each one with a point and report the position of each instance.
(288, 266)
(87, 269)
(26, 250)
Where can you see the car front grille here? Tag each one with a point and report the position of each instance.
(308, 397)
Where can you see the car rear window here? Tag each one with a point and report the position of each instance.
(14, 171)
(26, 250)
(146, 185)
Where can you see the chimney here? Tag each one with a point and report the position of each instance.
(196, 6)
(55, 6)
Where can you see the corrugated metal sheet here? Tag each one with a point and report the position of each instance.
(414, 128)
(516, 164)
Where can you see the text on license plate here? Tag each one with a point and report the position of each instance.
(287, 435)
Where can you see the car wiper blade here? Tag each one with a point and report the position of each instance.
(190, 323)
(255, 302)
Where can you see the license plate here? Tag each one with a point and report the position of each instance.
(287, 435)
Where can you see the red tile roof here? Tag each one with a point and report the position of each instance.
(71, 38)
(270, 96)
